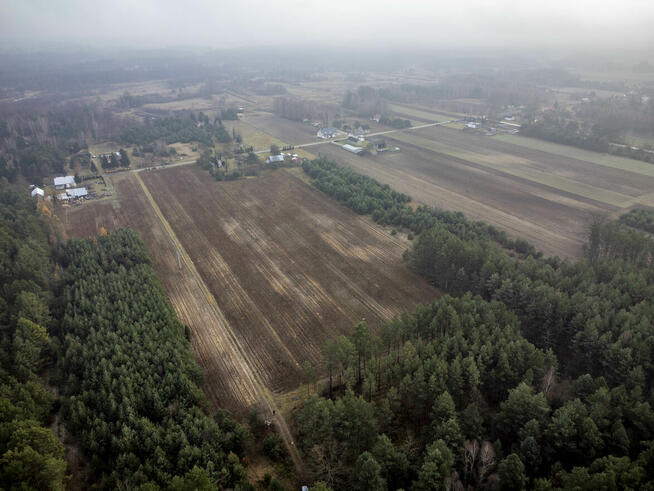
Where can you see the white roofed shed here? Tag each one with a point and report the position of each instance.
(63, 182)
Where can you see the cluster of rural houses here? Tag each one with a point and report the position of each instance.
(66, 184)
(373, 144)
(489, 127)
(329, 132)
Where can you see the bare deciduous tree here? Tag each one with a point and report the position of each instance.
(486, 459)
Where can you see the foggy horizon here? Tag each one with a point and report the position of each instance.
(557, 27)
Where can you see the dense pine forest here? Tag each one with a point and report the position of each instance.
(537, 375)
(30, 455)
(639, 218)
(130, 385)
(116, 361)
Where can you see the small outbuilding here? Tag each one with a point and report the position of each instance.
(77, 193)
(355, 138)
(275, 158)
(353, 149)
(64, 182)
(37, 192)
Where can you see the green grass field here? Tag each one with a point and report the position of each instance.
(410, 112)
(521, 170)
(456, 126)
(606, 160)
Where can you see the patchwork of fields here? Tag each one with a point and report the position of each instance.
(262, 270)
(528, 190)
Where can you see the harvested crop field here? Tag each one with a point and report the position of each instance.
(544, 197)
(262, 270)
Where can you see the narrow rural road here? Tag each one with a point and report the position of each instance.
(266, 150)
(379, 133)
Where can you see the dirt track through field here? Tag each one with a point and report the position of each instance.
(274, 255)
(223, 337)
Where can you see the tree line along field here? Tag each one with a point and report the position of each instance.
(543, 196)
(262, 270)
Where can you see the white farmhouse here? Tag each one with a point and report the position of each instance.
(327, 133)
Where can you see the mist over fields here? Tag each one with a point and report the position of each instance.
(565, 27)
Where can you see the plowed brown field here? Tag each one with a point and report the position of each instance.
(548, 199)
(262, 270)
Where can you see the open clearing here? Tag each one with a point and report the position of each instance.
(253, 136)
(546, 197)
(287, 131)
(419, 114)
(262, 270)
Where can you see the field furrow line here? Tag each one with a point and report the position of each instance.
(264, 398)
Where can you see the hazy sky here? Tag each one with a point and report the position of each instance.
(577, 24)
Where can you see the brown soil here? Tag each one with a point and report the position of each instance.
(554, 221)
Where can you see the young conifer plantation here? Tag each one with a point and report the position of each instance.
(129, 381)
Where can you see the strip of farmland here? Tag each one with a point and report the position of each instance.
(419, 114)
(567, 151)
(547, 198)
(229, 376)
(523, 168)
(554, 222)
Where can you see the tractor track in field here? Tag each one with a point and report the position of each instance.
(248, 372)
